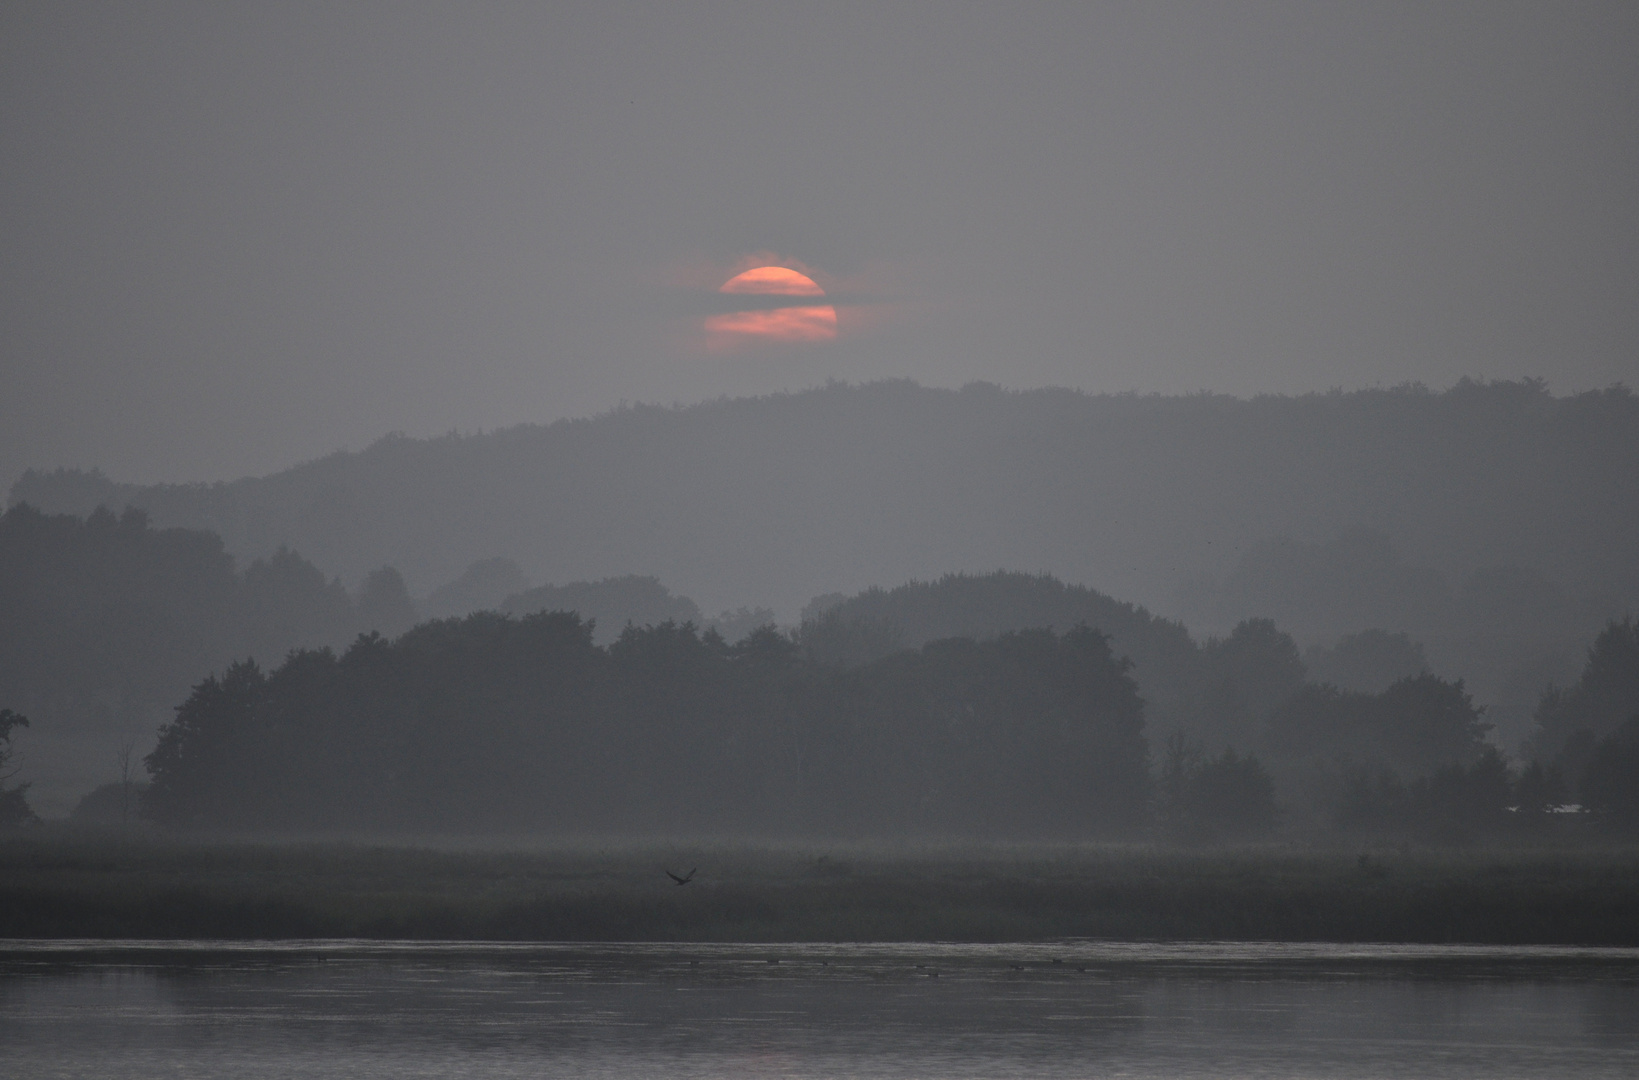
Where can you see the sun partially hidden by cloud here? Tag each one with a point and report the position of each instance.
(771, 323)
(772, 280)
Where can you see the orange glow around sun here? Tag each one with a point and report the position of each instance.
(772, 325)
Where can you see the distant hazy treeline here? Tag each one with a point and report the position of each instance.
(496, 724)
(778, 499)
(106, 623)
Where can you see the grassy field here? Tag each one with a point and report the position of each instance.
(58, 883)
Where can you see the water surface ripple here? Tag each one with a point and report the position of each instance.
(1069, 1009)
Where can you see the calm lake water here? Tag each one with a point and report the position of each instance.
(1076, 1009)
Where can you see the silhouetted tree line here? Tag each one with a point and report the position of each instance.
(610, 604)
(1587, 735)
(499, 584)
(1325, 758)
(1581, 772)
(1506, 628)
(1571, 721)
(924, 707)
(877, 622)
(1229, 797)
(14, 808)
(1360, 737)
(1250, 689)
(495, 723)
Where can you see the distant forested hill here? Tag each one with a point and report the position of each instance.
(1168, 666)
(1216, 693)
(611, 605)
(777, 499)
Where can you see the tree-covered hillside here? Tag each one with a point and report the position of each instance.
(1167, 665)
(778, 499)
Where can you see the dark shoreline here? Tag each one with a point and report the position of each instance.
(121, 887)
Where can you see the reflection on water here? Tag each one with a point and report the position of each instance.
(357, 1009)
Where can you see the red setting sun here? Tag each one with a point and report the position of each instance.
(767, 323)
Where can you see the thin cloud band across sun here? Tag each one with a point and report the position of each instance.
(797, 324)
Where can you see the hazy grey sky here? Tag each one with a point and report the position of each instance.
(236, 236)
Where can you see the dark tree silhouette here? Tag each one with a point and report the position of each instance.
(1426, 721)
(1610, 783)
(1250, 673)
(1415, 726)
(1540, 789)
(14, 808)
(1605, 696)
(1459, 802)
(1228, 797)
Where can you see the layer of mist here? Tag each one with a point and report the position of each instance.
(1179, 502)
(1284, 545)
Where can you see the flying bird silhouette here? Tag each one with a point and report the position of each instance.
(685, 879)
